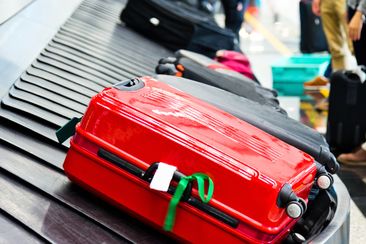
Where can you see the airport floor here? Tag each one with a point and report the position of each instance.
(271, 35)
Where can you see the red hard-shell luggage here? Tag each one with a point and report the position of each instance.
(128, 129)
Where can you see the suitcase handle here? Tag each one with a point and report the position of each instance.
(168, 60)
(166, 69)
(120, 162)
(149, 173)
(130, 85)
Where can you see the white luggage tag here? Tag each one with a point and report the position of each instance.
(163, 176)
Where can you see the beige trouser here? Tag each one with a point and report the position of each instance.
(335, 26)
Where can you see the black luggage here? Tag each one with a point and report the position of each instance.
(211, 63)
(177, 26)
(347, 113)
(263, 117)
(242, 86)
(312, 34)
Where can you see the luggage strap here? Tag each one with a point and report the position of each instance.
(67, 130)
(183, 194)
(181, 187)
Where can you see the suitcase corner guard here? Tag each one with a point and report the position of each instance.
(330, 162)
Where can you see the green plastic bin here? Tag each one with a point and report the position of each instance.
(290, 73)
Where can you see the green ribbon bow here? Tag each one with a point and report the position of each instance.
(182, 185)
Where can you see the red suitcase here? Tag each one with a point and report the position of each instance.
(259, 180)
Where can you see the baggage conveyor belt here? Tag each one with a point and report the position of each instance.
(38, 203)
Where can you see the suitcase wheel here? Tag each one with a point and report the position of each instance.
(295, 209)
(294, 237)
(294, 206)
(324, 180)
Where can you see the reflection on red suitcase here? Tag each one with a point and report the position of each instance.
(129, 131)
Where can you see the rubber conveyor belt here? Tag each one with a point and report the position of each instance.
(38, 204)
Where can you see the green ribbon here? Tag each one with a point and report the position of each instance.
(67, 130)
(182, 185)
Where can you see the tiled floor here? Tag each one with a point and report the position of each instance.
(262, 54)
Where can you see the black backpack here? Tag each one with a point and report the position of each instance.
(176, 25)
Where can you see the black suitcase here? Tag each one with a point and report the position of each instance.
(206, 62)
(263, 117)
(176, 25)
(242, 86)
(347, 112)
(311, 31)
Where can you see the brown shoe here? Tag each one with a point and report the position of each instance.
(357, 158)
(316, 83)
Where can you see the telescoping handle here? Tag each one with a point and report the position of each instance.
(186, 197)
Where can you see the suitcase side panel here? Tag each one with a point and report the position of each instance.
(135, 196)
(188, 160)
(167, 109)
(191, 157)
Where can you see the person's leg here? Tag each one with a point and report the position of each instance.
(234, 16)
(360, 45)
(333, 14)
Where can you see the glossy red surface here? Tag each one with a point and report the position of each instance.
(158, 123)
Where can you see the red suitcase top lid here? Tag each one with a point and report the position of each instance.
(158, 123)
